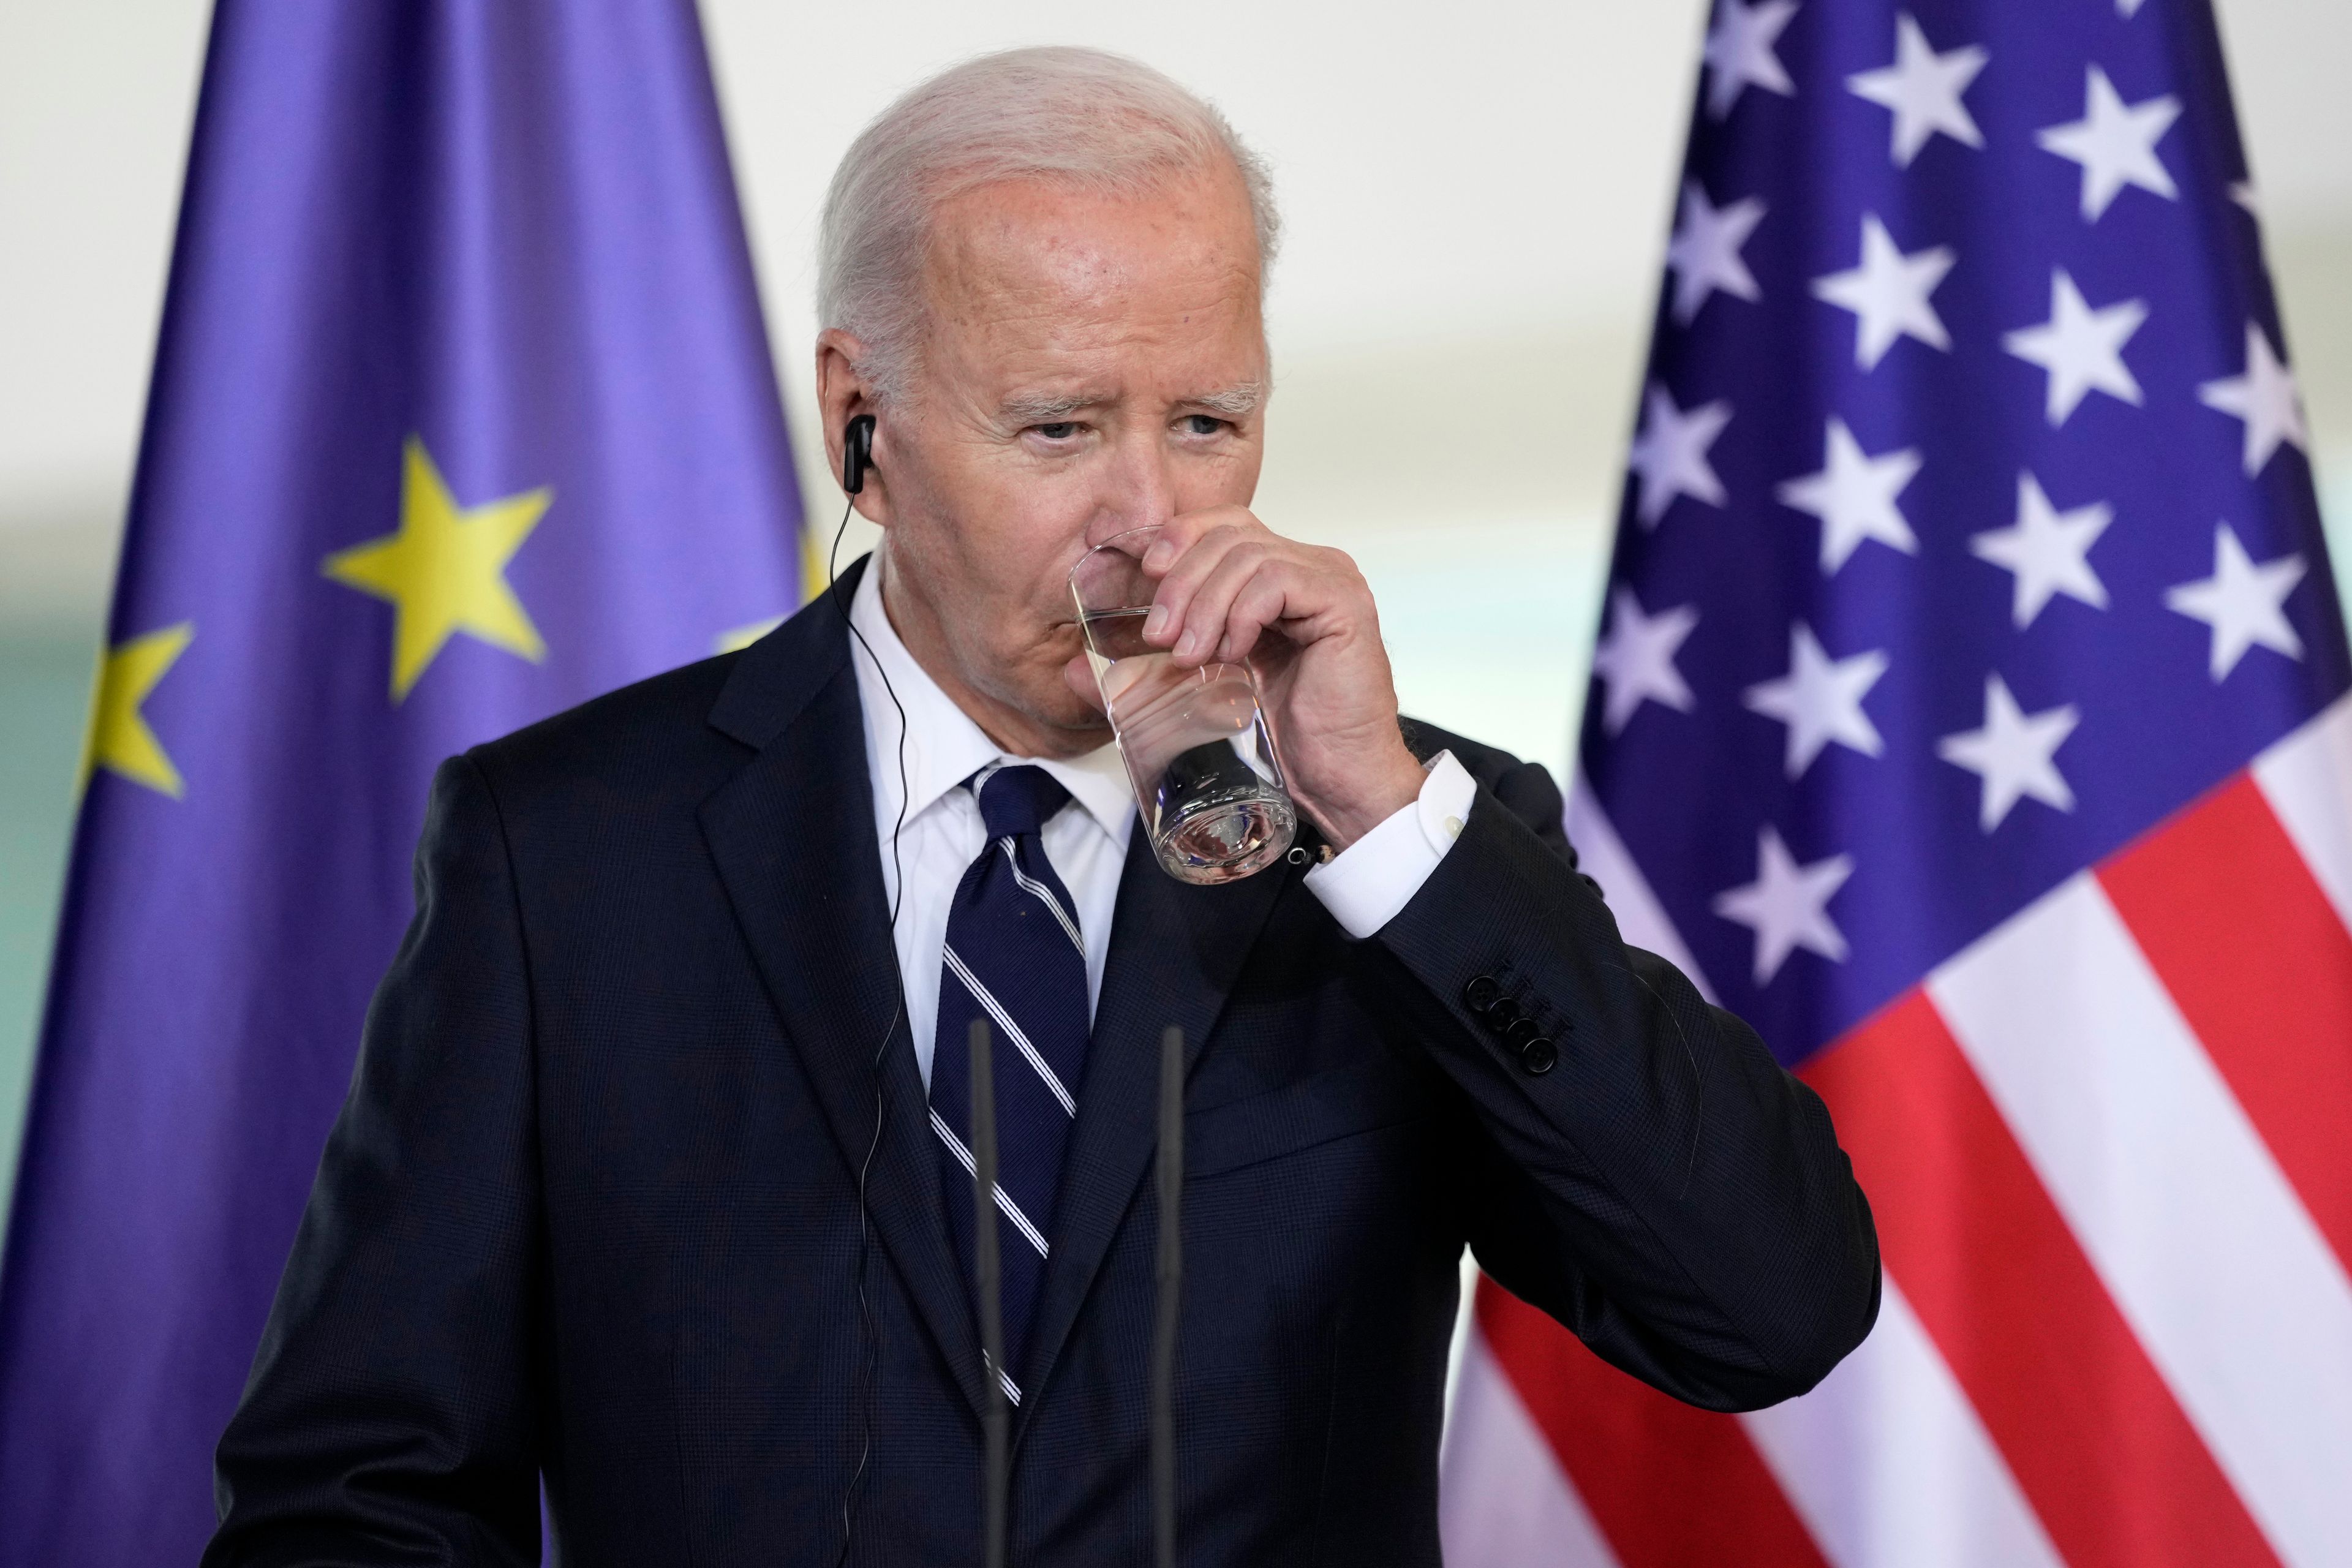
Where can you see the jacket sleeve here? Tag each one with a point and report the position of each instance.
(390, 1414)
(1663, 1187)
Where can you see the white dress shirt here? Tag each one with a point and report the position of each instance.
(1086, 840)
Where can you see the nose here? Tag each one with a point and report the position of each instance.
(1138, 488)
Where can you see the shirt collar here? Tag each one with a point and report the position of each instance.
(944, 747)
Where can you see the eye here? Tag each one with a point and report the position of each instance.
(1056, 429)
(1204, 425)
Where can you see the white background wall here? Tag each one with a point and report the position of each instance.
(1476, 198)
(1448, 170)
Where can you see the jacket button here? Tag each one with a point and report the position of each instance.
(1481, 993)
(1538, 1057)
(1521, 1034)
(1502, 1015)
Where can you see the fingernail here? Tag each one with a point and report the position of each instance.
(1156, 559)
(1155, 623)
(1186, 643)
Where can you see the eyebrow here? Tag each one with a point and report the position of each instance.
(1232, 402)
(1044, 409)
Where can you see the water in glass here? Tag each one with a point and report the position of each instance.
(1197, 754)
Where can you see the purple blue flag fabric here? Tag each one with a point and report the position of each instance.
(462, 412)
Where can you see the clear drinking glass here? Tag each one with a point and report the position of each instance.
(1195, 744)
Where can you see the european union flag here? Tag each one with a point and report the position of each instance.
(462, 413)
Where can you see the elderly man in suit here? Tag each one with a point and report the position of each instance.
(653, 1187)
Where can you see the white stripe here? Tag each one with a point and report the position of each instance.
(979, 993)
(1505, 1503)
(1003, 1200)
(2179, 1206)
(1642, 920)
(1888, 1465)
(2307, 779)
(1005, 1380)
(1031, 885)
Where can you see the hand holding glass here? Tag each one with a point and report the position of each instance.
(1196, 743)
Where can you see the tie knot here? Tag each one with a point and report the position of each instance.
(1017, 801)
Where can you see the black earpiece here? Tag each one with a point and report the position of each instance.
(856, 453)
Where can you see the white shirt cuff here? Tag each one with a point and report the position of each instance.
(1366, 883)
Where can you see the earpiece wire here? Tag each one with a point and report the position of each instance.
(869, 1330)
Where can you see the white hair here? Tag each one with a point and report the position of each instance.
(1100, 122)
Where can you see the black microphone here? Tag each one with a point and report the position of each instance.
(995, 1419)
(1170, 1297)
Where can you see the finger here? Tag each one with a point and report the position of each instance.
(1181, 532)
(1171, 601)
(1263, 600)
(1211, 584)
(1215, 623)
(1249, 594)
(1311, 590)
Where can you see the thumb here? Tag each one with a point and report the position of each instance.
(1080, 676)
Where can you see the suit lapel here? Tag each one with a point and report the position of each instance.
(1175, 953)
(793, 837)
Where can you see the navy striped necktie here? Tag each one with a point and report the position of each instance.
(1013, 955)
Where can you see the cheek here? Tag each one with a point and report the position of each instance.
(1019, 558)
(997, 538)
(1002, 578)
(1224, 477)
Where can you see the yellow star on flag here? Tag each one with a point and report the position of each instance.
(119, 739)
(813, 581)
(743, 636)
(815, 577)
(444, 570)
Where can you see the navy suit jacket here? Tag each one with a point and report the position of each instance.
(591, 1209)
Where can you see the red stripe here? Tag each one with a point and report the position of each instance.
(1668, 1485)
(2254, 956)
(2089, 1428)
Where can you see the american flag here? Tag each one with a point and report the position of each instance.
(1968, 714)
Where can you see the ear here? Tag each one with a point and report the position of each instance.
(842, 394)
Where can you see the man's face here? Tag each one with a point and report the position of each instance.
(1091, 366)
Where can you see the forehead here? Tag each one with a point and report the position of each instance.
(1021, 273)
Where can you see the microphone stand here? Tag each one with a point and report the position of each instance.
(995, 1419)
(1171, 1292)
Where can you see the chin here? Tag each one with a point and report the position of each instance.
(1061, 711)
(1046, 703)
(1075, 718)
